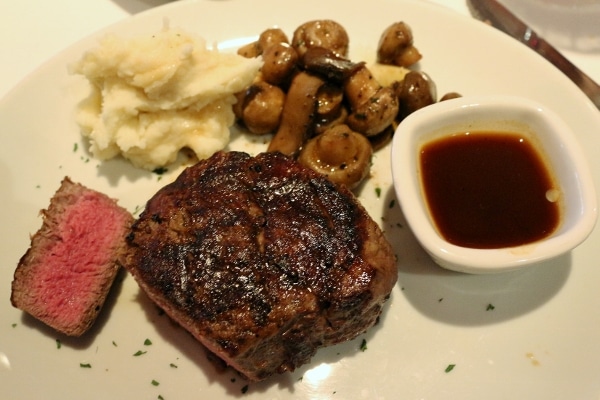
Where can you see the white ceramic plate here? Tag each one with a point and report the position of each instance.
(530, 334)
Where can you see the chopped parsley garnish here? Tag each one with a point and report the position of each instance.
(449, 368)
(147, 342)
(114, 343)
(86, 365)
(160, 170)
(173, 365)
(160, 397)
(14, 325)
(378, 192)
(490, 307)
(363, 345)
(392, 203)
(155, 382)
(58, 344)
(245, 389)
(75, 146)
(139, 353)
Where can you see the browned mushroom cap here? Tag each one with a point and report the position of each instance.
(374, 107)
(259, 107)
(325, 62)
(279, 63)
(321, 33)
(323, 123)
(344, 156)
(329, 99)
(270, 37)
(396, 46)
(267, 38)
(298, 114)
(331, 109)
(416, 91)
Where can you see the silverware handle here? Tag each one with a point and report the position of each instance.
(582, 80)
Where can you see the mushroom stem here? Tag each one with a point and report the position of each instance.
(297, 115)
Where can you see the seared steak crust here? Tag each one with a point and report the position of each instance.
(262, 260)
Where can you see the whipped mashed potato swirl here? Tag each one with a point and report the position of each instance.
(153, 95)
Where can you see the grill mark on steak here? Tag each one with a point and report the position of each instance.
(262, 260)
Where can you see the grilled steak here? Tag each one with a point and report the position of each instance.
(262, 260)
(65, 276)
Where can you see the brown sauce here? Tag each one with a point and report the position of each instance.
(488, 190)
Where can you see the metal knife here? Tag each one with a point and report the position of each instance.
(501, 18)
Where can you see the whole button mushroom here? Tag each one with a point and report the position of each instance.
(416, 91)
(270, 37)
(280, 61)
(260, 107)
(396, 46)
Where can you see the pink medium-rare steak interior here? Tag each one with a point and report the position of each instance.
(64, 277)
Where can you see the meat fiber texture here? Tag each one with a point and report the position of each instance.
(262, 260)
(64, 277)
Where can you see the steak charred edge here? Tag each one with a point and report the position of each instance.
(262, 260)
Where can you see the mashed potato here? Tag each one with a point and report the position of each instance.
(152, 96)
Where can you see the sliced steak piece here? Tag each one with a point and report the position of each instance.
(262, 260)
(65, 276)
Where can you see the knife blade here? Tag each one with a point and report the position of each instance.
(501, 18)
